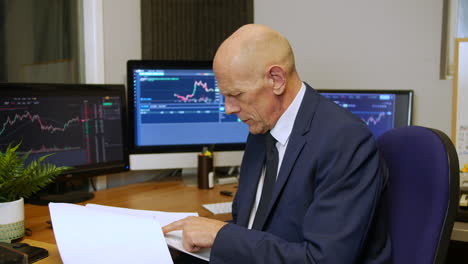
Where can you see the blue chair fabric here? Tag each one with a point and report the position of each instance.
(423, 192)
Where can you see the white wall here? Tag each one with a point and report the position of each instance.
(121, 41)
(368, 44)
(360, 44)
(122, 37)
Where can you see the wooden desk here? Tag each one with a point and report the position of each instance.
(171, 196)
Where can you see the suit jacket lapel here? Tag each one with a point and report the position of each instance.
(253, 170)
(292, 152)
(296, 142)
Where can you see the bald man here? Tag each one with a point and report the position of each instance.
(312, 195)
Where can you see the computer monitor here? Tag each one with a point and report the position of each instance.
(175, 110)
(381, 110)
(82, 124)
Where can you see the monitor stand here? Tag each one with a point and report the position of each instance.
(68, 197)
(62, 192)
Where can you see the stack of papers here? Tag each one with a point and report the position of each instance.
(104, 234)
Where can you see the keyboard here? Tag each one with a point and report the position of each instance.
(219, 208)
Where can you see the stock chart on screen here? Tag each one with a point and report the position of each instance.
(182, 106)
(380, 111)
(186, 98)
(77, 129)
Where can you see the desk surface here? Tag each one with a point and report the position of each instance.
(170, 196)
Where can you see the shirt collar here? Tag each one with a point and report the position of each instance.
(282, 130)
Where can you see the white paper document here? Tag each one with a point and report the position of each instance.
(164, 218)
(91, 236)
(104, 234)
(173, 239)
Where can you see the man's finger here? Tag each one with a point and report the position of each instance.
(177, 225)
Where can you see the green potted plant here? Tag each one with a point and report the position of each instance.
(19, 180)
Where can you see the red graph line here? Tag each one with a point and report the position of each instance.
(37, 118)
(203, 85)
(373, 120)
(196, 84)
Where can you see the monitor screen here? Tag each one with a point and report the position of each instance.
(176, 106)
(83, 125)
(381, 110)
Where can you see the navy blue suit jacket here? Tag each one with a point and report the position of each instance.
(326, 201)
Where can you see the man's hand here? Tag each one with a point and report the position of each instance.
(197, 232)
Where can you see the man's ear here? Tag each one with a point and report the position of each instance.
(277, 75)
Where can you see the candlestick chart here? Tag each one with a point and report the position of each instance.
(79, 130)
(41, 129)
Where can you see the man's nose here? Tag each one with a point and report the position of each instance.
(230, 105)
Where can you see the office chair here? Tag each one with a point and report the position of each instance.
(423, 192)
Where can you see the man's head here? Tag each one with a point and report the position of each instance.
(256, 73)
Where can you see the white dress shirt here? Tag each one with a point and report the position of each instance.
(281, 133)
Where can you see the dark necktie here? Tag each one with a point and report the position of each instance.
(268, 183)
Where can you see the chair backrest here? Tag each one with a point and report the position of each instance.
(423, 192)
